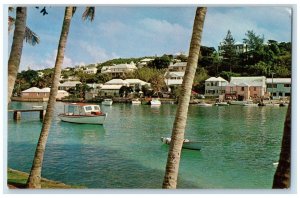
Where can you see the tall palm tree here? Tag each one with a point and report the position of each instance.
(282, 176)
(21, 32)
(34, 179)
(16, 48)
(172, 166)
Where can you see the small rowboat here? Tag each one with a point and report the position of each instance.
(187, 144)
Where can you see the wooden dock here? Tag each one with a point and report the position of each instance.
(17, 112)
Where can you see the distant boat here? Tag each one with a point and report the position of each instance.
(236, 102)
(107, 102)
(221, 104)
(155, 101)
(37, 107)
(187, 144)
(83, 114)
(136, 101)
(204, 104)
(272, 104)
(250, 105)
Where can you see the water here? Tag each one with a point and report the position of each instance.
(239, 146)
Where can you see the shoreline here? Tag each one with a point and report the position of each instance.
(17, 180)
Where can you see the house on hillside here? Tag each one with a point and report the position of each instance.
(144, 62)
(177, 67)
(91, 70)
(68, 84)
(279, 87)
(119, 70)
(36, 94)
(173, 78)
(245, 88)
(214, 87)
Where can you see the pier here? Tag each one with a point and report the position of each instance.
(17, 112)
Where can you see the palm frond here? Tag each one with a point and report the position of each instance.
(89, 13)
(11, 23)
(31, 37)
(74, 10)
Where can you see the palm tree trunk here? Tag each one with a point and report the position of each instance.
(16, 49)
(34, 180)
(282, 176)
(172, 166)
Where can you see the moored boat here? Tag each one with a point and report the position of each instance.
(221, 104)
(83, 114)
(204, 104)
(187, 144)
(136, 101)
(107, 102)
(155, 101)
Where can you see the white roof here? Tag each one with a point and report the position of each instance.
(70, 84)
(146, 59)
(175, 74)
(279, 80)
(136, 81)
(173, 81)
(62, 91)
(116, 81)
(32, 89)
(110, 87)
(46, 89)
(214, 79)
(179, 64)
(250, 81)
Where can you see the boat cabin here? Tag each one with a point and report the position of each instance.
(82, 109)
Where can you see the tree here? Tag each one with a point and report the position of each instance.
(124, 91)
(172, 166)
(16, 48)
(255, 45)
(160, 62)
(34, 180)
(21, 32)
(229, 56)
(282, 176)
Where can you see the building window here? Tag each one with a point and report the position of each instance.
(254, 88)
(280, 93)
(287, 85)
(242, 89)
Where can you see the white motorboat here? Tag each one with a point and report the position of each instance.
(136, 102)
(155, 101)
(251, 104)
(221, 104)
(204, 104)
(187, 144)
(107, 102)
(83, 114)
(243, 102)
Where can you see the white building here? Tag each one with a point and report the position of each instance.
(68, 84)
(174, 78)
(118, 70)
(144, 62)
(215, 86)
(90, 70)
(177, 67)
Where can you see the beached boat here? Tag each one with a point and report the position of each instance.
(83, 114)
(155, 101)
(187, 144)
(136, 101)
(107, 102)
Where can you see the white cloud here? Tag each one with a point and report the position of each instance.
(95, 53)
(50, 60)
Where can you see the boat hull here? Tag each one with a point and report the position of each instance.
(83, 119)
(107, 103)
(186, 144)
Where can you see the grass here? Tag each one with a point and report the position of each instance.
(17, 179)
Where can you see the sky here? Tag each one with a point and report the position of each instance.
(137, 31)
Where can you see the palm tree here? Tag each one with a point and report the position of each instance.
(282, 176)
(172, 166)
(21, 32)
(34, 179)
(16, 48)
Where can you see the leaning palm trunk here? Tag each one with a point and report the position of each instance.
(172, 166)
(34, 180)
(282, 177)
(16, 49)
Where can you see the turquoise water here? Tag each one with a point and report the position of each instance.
(239, 146)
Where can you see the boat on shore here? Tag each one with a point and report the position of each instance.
(242, 102)
(187, 144)
(107, 102)
(83, 114)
